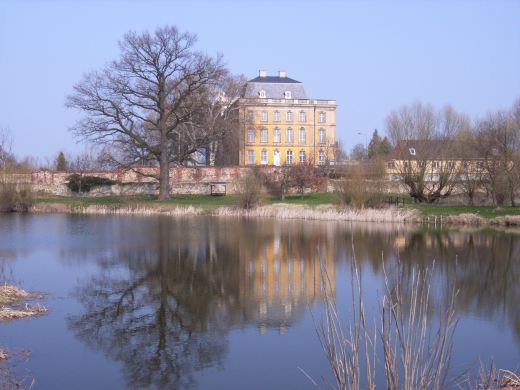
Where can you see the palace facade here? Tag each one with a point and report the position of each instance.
(280, 125)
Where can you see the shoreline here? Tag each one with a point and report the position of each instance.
(284, 211)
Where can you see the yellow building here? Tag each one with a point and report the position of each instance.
(279, 125)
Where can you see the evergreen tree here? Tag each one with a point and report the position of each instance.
(61, 163)
(378, 147)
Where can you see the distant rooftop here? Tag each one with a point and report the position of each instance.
(272, 79)
(273, 87)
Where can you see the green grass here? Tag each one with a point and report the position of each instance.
(445, 210)
(313, 199)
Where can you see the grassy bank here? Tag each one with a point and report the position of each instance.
(312, 199)
(323, 206)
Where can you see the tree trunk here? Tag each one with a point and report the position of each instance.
(164, 173)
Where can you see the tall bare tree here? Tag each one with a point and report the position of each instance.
(425, 158)
(147, 100)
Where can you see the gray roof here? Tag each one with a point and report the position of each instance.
(274, 87)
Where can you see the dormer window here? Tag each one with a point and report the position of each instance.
(261, 94)
(288, 95)
(412, 152)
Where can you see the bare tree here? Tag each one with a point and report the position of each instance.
(6, 142)
(426, 158)
(358, 152)
(220, 120)
(499, 143)
(147, 100)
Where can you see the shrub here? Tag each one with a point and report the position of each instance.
(248, 188)
(15, 197)
(362, 186)
(77, 183)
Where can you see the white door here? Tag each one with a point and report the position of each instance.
(276, 158)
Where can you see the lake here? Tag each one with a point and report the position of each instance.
(208, 303)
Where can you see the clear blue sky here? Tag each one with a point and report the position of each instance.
(371, 56)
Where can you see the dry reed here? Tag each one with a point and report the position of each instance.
(416, 350)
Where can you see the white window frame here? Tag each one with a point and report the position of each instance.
(264, 116)
(412, 151)
(302, 136)
(289, 157)
(277, 137)
(276, 116)
(250, 116)
(322, 117)
(289, 135)
(321, 156)
(261, 94)
(288, 116)
(287, 95)
(302, 156)
(250, 136)
(264, 136)
(322, 136)
(302, 116)
(250, 157)
(264, 157)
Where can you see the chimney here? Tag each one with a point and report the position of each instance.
(262, 73)
(282, 74)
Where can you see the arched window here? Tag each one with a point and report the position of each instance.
(321, 136)
(276, 135)
(276, 116)
(302, 138)
(263, 157)
(263, 136)
(289, 136)
(302, 157)
(250, 136)
(287, 94)
(261, 94)
(321, 157)
(322, 117)
(289, 158)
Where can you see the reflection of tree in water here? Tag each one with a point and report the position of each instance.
(160, 318)
(163, 305)
(484, 267)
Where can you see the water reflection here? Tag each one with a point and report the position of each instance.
(170, 290)
(165, 300)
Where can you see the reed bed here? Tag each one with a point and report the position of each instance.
(278, 211)
(327, 213)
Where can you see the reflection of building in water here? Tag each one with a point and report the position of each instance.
(281, 275)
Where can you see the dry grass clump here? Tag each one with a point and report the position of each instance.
(10, 294)
(7, 313)
(10, 310)
(492, 379)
